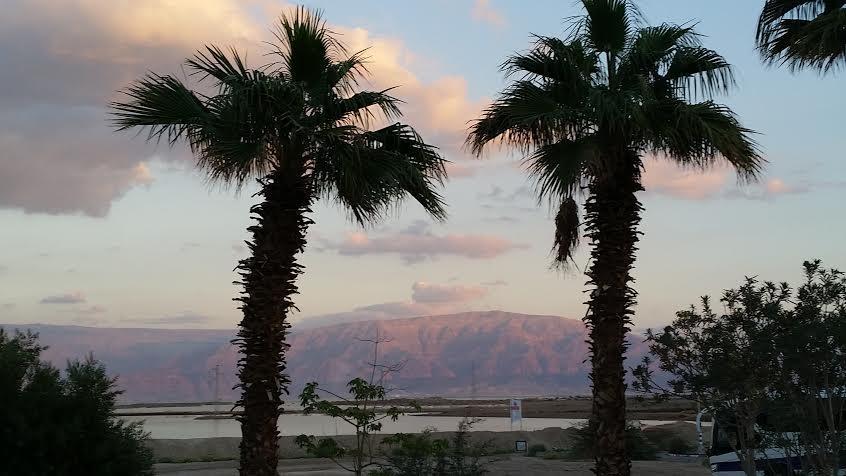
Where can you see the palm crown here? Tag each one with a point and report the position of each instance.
(611, 91)
(299, 115)
(803, 33)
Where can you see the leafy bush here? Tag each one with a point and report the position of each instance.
(678, 445)
(535, 449)
(421, 455)
(63, 425)
(584, 443)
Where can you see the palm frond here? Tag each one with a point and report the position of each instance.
(651, 47)
(343, 76)
(699, 72)
(306, 46)
(803, 34)
(525, 116)
(568, 64)
(359, 108)
(369, 173)
(699, 135)
(608, 24)
(213, 62)
(560, 169)
(567, 233)
(162, 105)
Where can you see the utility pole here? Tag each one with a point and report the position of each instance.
(216, 372)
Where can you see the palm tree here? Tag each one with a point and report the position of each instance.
(582, 112)
(299, 128)
(803, 33)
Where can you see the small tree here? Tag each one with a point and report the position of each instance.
(63, 425)
(721, 361)
(773, 363)
(421, 455)
(359, 410)
(810, 350)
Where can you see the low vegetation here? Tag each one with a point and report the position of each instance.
(583, 446)
(56, 423)
(773, 363)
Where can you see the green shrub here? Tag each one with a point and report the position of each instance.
(63, 424)
(584, 442)
(421, 455)
(678, 445)
(535, 449)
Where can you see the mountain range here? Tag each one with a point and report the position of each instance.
(491, 353)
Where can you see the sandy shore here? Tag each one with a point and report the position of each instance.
(508, 466)
(564, 407)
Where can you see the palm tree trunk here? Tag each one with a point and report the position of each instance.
(268, 278)
(612, 216)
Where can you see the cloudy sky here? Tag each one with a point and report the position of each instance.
(100, 228)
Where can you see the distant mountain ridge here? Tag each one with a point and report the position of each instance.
(492, 353)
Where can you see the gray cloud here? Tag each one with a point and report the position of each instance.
(182, 319)
(498, 282)
(443, 293)
(60, 155)
(93, 310)
(417, 243)
(189, 245)
(68, 298)
(426, 299)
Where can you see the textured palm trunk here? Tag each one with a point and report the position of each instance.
(612, 216)
(268, 278)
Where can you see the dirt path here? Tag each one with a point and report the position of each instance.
(513, 466)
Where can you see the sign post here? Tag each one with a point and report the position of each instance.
(516, 407)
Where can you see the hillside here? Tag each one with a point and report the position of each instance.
(504, 353)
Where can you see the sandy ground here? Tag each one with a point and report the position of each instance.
(513, 466)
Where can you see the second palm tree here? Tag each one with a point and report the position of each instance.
(584, 111)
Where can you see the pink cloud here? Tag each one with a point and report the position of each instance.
(66, 72)
(484, 12)
(459, 170)
(414, 245)
(666, 178)
(440, 108)
(426, 299)
(770, 189)
(439, 293)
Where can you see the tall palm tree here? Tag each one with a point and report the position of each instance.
(299, 128)
(583, 111)
(803, 33)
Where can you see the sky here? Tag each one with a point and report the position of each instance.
(101, 228)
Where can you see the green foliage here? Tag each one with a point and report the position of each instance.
(677, 445)
(359, 410)
(422, 455)
(583, 446)
(803, 34)
(535, 449)
(301, 115)
(54, 424)
(413, 455)
(776, 358)
(613, 89)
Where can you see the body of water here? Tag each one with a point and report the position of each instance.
(181, 426)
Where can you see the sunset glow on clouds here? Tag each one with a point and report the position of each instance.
(150, 243)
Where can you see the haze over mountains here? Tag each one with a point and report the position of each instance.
(491, 353)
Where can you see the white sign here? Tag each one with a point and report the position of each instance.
(516, 407)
